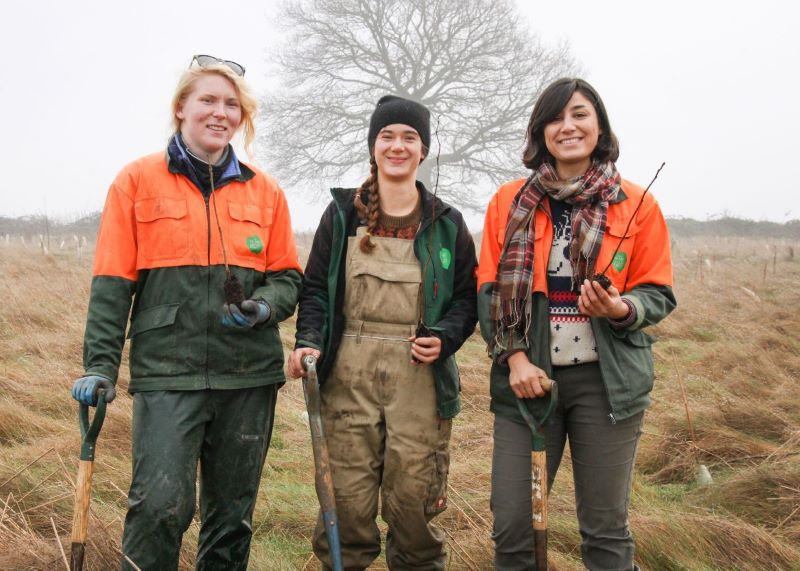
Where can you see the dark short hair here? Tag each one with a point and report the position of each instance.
(550, 103)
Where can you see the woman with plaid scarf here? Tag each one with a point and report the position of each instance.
(545, 313)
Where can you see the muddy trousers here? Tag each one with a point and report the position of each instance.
(384, 435)
(602, 462)
(228, 432)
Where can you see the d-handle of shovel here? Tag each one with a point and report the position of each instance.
(89, 431)
(322, 468)
(83, 485)
(539, 471)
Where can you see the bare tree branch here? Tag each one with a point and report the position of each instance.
(472, 62)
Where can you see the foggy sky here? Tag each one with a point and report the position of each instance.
(709, 87)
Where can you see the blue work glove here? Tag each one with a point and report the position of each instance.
(84, 390)
(251, 314)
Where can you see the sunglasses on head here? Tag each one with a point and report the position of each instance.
(206, 60)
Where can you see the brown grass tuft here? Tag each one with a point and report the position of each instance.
(737, 354)
(676, 541)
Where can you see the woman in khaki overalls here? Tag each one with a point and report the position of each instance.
(388, 298)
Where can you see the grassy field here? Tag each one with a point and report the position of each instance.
(733, 343)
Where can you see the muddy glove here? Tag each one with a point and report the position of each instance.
(252, 313)
(84, 390)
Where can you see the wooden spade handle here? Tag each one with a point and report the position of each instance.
(539, 478)
(539, 472)
(539, 497)
(80, 516)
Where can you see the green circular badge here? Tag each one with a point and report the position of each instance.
(254, 243)
(445, 257)
(619, 261)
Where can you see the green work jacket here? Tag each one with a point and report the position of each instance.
(446, 253)
(625, 356)
(159, 265)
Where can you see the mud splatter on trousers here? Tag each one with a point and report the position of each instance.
(228, 434)
(384, 435)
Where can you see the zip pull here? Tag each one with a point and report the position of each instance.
(613, 420)
(435, 287)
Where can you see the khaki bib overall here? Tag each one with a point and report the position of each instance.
(379, 413)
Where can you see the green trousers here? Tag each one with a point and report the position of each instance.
(228, 433)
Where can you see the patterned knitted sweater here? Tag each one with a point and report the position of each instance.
(571, 338)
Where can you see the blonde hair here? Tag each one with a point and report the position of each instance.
(247, 99)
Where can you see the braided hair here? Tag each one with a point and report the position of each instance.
(369, 211)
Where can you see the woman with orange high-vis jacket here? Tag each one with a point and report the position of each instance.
(198, 247)
(544, 312)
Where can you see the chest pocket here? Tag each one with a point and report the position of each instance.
(621, 260)
(383, 286)
(162, 228)
(248, 229)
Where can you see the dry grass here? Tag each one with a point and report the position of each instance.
(733, 342)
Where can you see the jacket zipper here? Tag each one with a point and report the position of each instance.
(420, 233)
(208, 280)
(611, 416)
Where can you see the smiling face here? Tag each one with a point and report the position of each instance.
(398, 152)
(572, 136)
(210, 115)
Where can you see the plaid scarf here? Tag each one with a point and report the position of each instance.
(591, 193)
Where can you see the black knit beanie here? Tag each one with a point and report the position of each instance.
(392, 109)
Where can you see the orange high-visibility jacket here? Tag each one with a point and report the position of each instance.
(155, 218)
(641, 271)
(642, 257)
(160, 243)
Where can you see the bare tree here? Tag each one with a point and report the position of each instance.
(476, 67)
